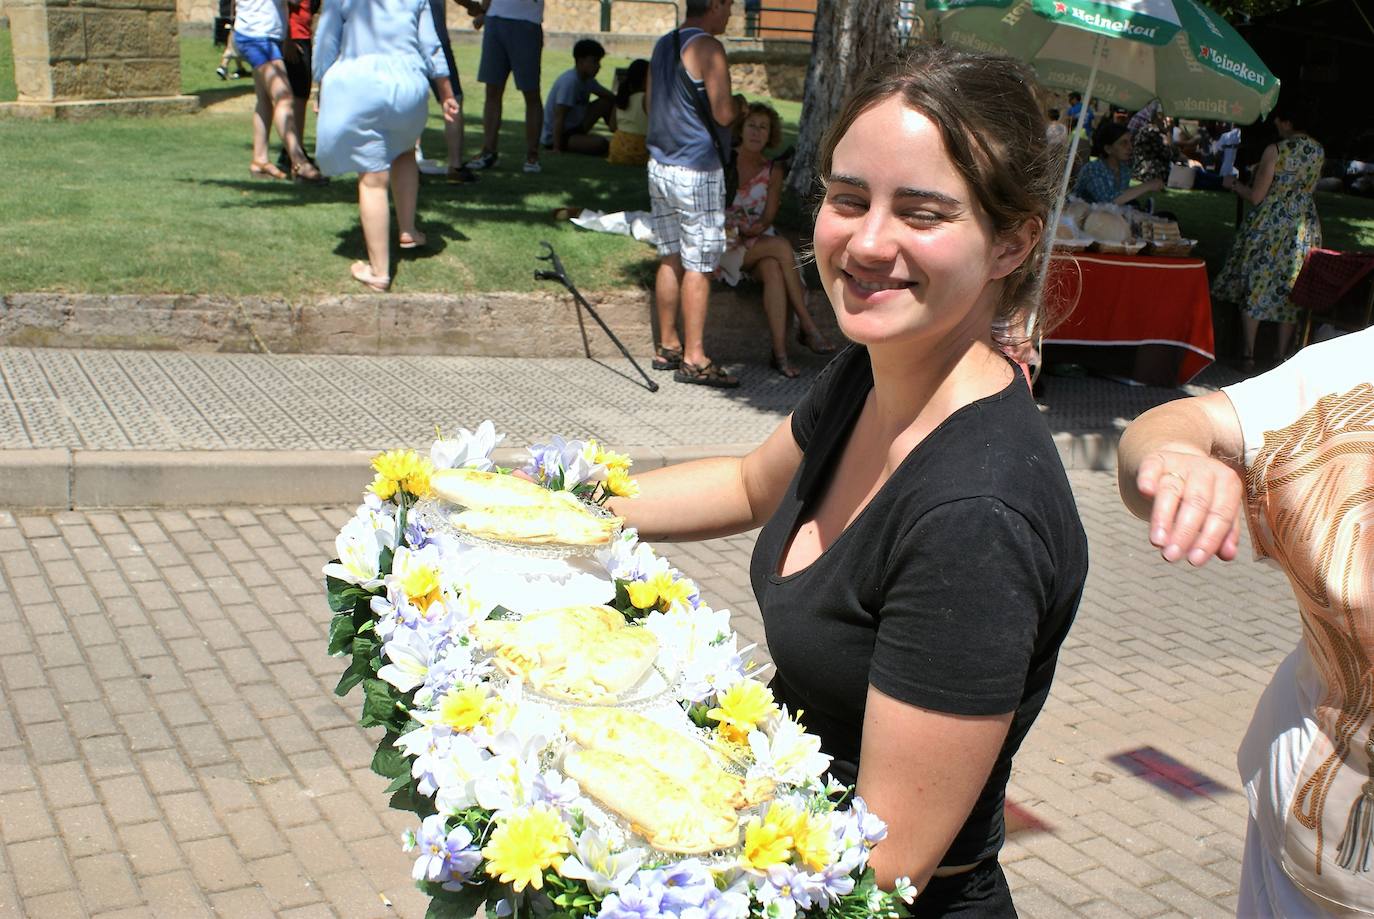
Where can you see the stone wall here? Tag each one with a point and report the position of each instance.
(77, 50)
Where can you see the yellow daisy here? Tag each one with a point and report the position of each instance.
(524, 844)
(741, 708)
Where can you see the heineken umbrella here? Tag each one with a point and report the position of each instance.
(1131, 51)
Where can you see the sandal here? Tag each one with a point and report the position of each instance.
(362, 273)
(706, 375)
(308, 174)
(416, 240)
(264, 170)
(666, 358)
(816, 343)
(784, 367)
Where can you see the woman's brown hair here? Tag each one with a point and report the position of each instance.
(774, 123)
(986, 110)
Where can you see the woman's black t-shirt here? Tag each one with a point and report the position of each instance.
(952, 590)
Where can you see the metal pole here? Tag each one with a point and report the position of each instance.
(605, 15)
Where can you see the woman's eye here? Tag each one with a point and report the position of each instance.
(848, 203)
(924, 216)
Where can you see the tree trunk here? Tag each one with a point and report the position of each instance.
(850, 36)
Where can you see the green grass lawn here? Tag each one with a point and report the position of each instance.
(166, 205)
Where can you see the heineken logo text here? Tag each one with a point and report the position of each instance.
(1119, 26)
(1230, 65)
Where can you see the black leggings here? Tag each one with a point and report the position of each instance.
(978, 894)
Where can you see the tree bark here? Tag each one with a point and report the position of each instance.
(850, 37)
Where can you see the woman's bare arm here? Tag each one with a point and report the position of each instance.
(921, 771)
(1179, 466)
(713, 497)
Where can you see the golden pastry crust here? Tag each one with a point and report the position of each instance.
(671, 816)
(478, 490)
(539, 525)
(578, 653)
(671, 752)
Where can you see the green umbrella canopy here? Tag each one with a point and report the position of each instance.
(1178, 51)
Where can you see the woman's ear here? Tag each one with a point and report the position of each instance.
(1015, 247)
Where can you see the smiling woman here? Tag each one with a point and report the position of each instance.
(921, 558)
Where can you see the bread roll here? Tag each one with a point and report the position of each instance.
(1104, 226)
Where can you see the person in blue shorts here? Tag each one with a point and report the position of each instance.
(512, 44)
(259, 29)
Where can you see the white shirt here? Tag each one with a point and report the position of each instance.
(261, 19)
(1229, 143)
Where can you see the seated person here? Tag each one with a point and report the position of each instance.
(570, 114)
(1107, 179)
(631, 118)
(753, 245)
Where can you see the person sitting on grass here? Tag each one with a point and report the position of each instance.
(754, 246)
(628, 143)
(570, 114)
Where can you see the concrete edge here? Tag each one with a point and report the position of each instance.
(62, 479)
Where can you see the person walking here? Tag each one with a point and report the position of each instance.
(373, 59)
(689, 80)
(1274, 238)
(512, 43)
(295, 51)
(259, 30)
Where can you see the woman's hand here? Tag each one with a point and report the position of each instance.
(1196, 509)
(450, 106)
(754, 229)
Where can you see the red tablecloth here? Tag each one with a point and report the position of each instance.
(1136, 300)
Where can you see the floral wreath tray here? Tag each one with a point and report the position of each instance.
(435, 515)
(479, 758)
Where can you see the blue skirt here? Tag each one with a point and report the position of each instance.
(372, 109)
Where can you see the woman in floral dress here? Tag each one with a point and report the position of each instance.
(1274, 238)
(754, 246)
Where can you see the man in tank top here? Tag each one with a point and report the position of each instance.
(687, 183)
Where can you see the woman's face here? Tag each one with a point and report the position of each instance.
(754, 132)
(903, 248)
(1121, 148)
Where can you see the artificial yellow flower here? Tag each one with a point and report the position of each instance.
(619, 483)
(679, 590)
(811, 840)
(420, 584)
(464, 709)
(766, 844)
(741, 708)
(643, 594)
(401, 469)
(524, 844)
(614, 462)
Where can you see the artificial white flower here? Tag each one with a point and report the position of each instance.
(359, 546)
(407, 655)
(471, 449)
(785, 752)
(595, 861)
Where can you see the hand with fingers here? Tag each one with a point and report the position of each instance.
(1196, 509)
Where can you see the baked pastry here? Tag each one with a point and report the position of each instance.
(539, 525)
(578, 653)
(1104, 226)
(671, 752)
(478, 490)
(670, 815)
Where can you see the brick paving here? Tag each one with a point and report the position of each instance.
(170, 745)
(159, 400)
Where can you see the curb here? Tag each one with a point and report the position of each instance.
(65, 479)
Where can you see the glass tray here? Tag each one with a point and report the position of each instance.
(434, 514)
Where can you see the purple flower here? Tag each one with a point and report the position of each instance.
(445, 855)
(633, 902)
(686, 884)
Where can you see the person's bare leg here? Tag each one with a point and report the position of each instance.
(262, 115)
(491, 116)
(534, 124)
(770, 275)
(1285, 339)
(696, 298)
(453, 139)
(374, 212)
(279, 91)
(405, 189)
(778, 248)
(1249, 327)
(667, 290)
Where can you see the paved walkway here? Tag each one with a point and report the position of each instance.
(157, 400)
(170, 745)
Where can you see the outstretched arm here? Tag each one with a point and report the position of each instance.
(713, 497)
(1179, 466)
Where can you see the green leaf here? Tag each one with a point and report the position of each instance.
(500, 612)
(459, 904)
(408, 798)
(357, 671)
(699, 717)
(341, 632)
(379, 703)
(388, 761)
(384, 562)
(343, 595)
